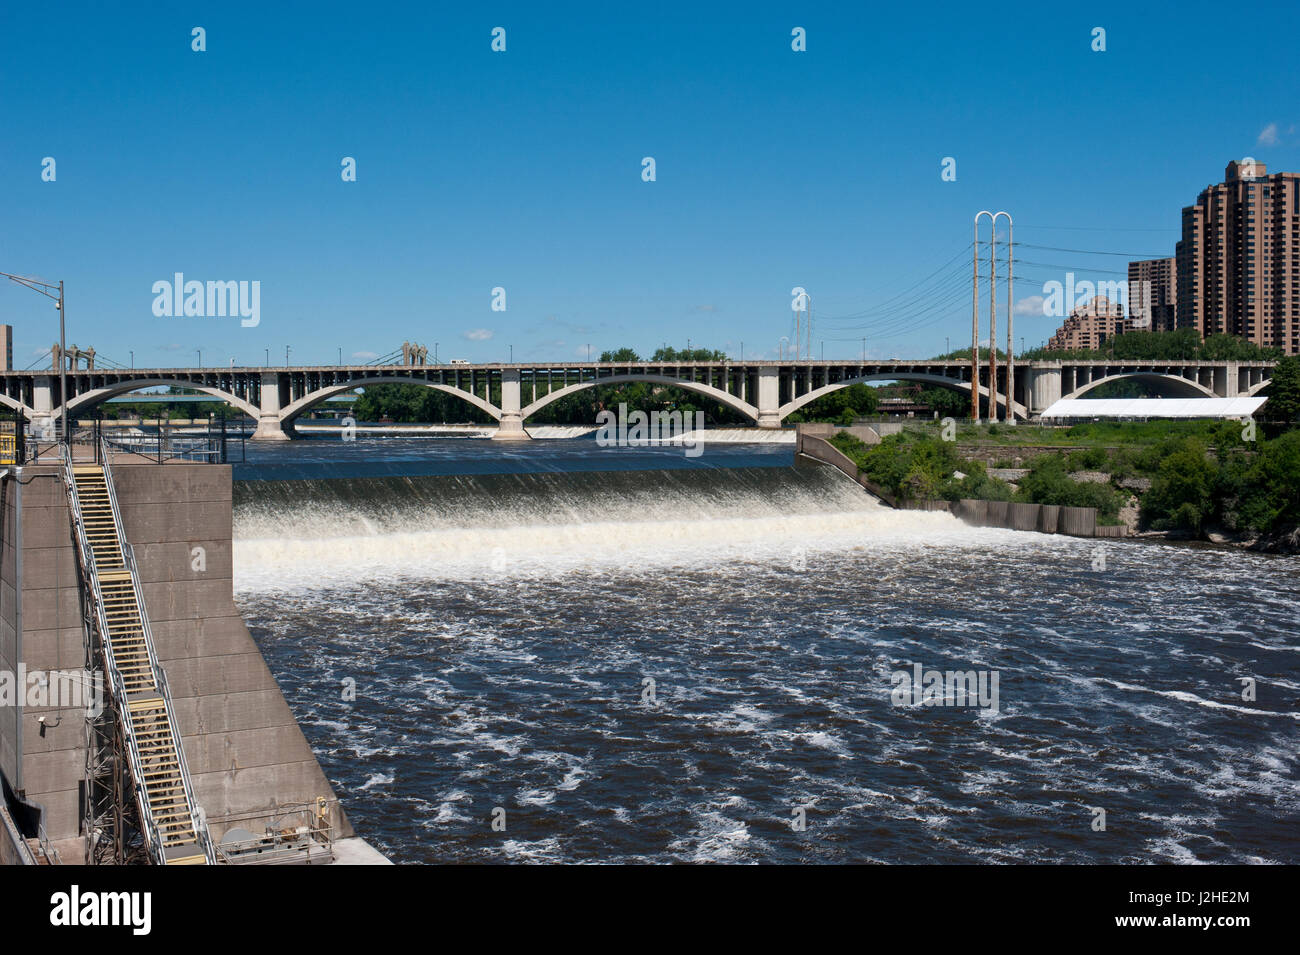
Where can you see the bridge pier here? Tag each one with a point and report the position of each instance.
(44, 414)
(1044, 388)
(769, 397)
(270, 426)
(511, 424)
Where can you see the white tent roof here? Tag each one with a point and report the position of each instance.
(1153, 408)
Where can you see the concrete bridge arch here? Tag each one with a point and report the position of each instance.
(722, 397)
(1183, 387)
(943, 381)
(17, 406)
(90, 399)
(308, 401)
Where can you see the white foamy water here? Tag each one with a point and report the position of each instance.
(501, 630)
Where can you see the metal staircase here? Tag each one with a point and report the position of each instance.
(171, 822)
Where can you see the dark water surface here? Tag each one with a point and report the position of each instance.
(501, 622)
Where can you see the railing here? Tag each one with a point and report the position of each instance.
(159, 675)
(215, 445)
(154, 838)
(312, 827)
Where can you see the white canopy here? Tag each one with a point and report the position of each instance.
(1073, 408)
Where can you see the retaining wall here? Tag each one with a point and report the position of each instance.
(813, 440)
(246, 753)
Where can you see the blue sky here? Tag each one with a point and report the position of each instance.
(522, 169)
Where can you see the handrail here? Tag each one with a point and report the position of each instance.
(159, 675)
(114, 675)
(154, 837)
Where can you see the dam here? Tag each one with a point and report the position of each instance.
(626, 655)
(486, 652)
(121, 573)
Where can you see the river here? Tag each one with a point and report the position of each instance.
(629, 655)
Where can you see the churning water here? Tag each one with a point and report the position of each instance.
(641, 659)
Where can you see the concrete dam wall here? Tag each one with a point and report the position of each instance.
(247, 757)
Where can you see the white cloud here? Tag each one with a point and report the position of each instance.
(477, 334)
(1267, 136)
(364, 355)
(707, 308)
(1033, 305)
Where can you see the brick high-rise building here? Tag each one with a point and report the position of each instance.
(1089, 325)
(1153, 294)
(1238, 268)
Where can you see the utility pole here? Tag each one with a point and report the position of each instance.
(993, 322)
(1011, 298)
(975, 324)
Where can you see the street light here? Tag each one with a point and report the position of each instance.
(47, 289)
(340, 354)
(132, 361)
(268, 358)
(286, 356)
(199, 351)
(785, 340)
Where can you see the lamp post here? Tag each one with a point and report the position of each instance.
(785, 340)
(47, 289)
(133, 361)
(199, 352)
(286, 356)
(268, 357)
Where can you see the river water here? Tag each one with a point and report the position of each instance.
(629, 655)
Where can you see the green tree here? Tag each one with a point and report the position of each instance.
(1182, 490)
(1284, 390)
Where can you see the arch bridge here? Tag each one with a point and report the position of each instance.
(765, 392)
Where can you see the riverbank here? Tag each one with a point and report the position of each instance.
(1218, 481)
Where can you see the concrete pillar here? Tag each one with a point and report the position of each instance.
(1225, 381)
(1044, 387)
(511, 426)
(269, 425)
(769, 397)
(44, 413)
